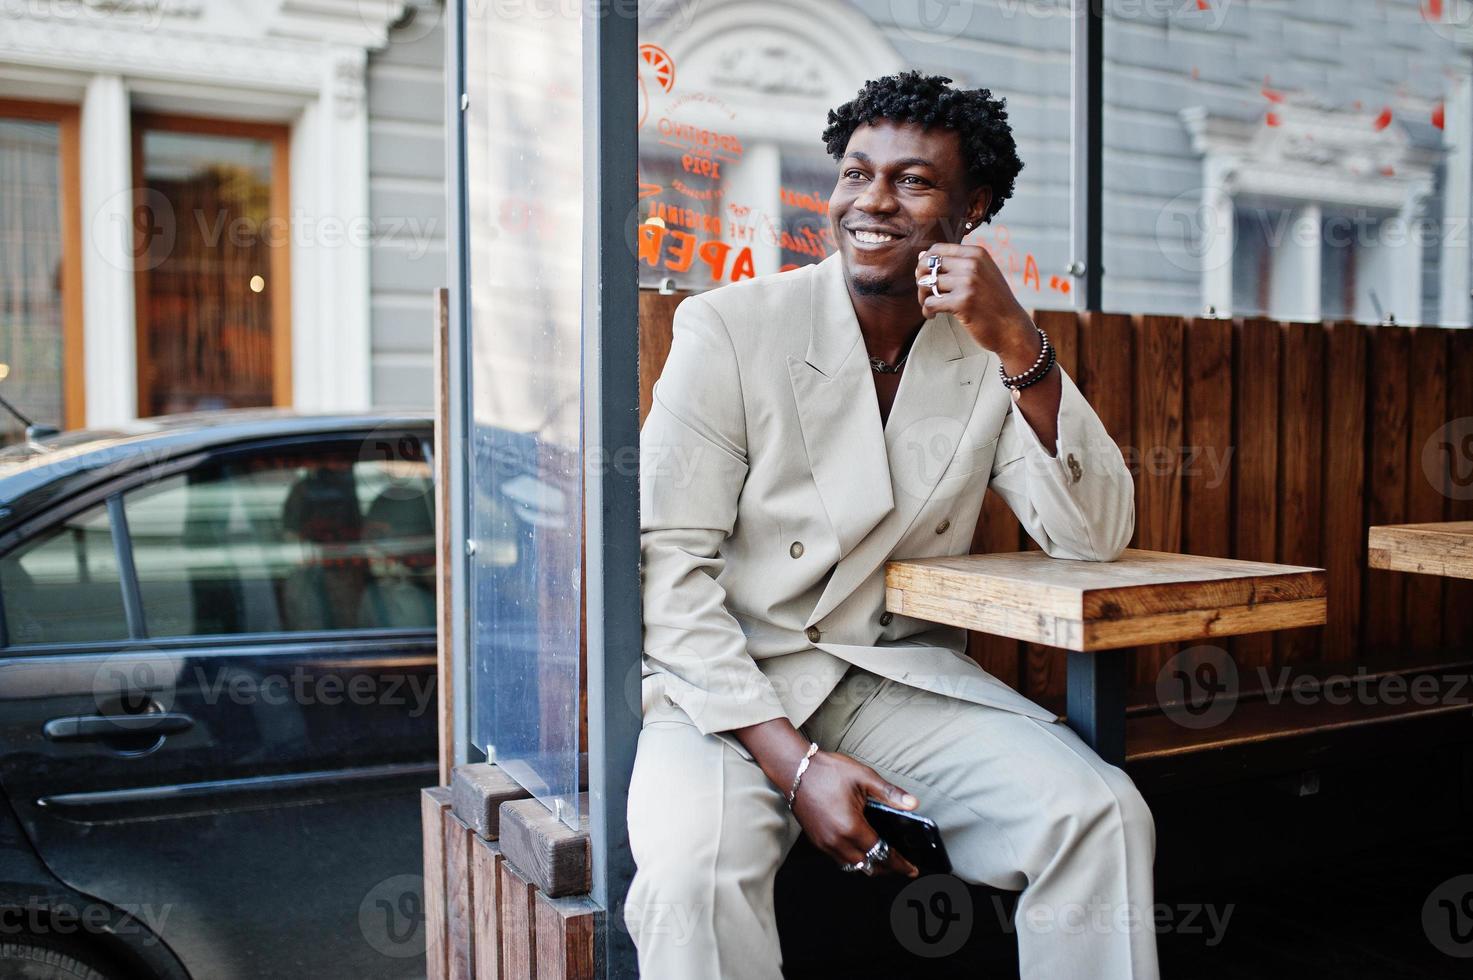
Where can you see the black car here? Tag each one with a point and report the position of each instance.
(217, 703)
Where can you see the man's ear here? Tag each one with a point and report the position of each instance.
(979, 205)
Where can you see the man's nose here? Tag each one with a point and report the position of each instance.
(876, 199)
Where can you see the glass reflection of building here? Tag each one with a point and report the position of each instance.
(1299, 161)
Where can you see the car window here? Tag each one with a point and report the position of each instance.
(286, 540)
(63, 586)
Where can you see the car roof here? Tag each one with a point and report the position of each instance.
(42, 470)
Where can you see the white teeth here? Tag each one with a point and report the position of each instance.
(873, 237)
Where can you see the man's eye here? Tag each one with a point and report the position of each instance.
(853, 175)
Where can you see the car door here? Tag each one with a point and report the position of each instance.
(217, 702)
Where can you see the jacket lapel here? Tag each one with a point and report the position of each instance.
(933, 406)
(838, 412)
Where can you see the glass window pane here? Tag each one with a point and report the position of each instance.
(205, 305)
(734, 177)
(524, 159)
(63, 586)
(1299, 161)
(286, 541)
(30, 273)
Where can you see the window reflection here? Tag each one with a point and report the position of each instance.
(63, 586)
(286, 542)
(734, 179)
(1298, 161)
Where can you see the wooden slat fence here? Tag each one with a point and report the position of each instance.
(1262, 440)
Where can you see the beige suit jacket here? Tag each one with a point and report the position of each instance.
(771, 497)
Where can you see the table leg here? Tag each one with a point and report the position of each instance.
(1096, 701)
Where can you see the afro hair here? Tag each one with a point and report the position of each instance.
(980, 122)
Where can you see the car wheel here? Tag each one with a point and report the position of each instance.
(28, 959)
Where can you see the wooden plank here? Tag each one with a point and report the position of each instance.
(1158, 442)
(1142, 597)
(555, 857)
(477, 791)
(486, 886)
(1106, 350)
(1386, 482)
(459, 900)
(1301, 468)
(1209, 451)
(518, 929)
(1426, 500)
(444, 479)
(565, 930)
(434, 804)
(1223, 619)
(1444, 548)
(1454, 445)
(1255, 498)
(656, 331)
(1207, 486)
(1343, 490)
(1139, 580)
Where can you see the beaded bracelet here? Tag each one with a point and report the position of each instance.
(1036, 373)
(802, 768)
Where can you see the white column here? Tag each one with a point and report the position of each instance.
(330, 243)
(756, 180)
(1457, 205)
(110, 339)
(1294, 290)
(1217, 226)
(1408, 277)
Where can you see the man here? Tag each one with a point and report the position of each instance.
(808, 427)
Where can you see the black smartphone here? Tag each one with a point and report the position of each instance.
(914, 836)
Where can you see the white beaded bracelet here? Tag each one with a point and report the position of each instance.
(802, 768)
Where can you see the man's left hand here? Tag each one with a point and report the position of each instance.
(975, 292)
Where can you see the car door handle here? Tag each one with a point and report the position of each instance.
(94, 728)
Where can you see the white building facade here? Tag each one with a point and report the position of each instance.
(248, 204)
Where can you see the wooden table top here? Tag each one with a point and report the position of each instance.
(1141, 597)
(1431, 549)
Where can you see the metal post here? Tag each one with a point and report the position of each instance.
(457, 267)
(611, 443)
(1095, 702)
(1086, 183)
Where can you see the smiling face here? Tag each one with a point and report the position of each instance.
(901, 188)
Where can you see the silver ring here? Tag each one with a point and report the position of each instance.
(933, 263)
(866, 866)
(879, 852)
(934, 290)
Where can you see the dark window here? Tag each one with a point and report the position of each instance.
(287, 540)
(62, 586)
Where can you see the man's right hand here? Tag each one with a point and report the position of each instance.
(830, 801)
(830, 809)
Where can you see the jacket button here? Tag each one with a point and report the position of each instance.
(885, 617)
(796, 550)
(813, 633)
(1074, 470)
(944, 526)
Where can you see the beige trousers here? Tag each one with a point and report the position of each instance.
(1022, 804)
